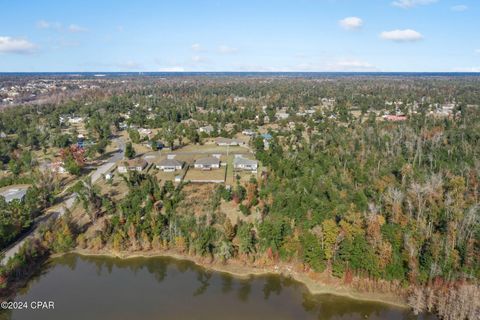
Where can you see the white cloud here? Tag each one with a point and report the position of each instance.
(407, 35)
(227, 50)
(43, 24)
(16, 45)
(459, 8)
(196, 47)
(351, 23)
(405, 4)
(76, 28)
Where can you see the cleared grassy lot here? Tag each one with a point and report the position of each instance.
(197, 175)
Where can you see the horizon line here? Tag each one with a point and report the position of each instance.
(252, 71)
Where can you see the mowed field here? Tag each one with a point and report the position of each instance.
(205, 175)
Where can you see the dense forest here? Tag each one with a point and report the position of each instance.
(394, 203)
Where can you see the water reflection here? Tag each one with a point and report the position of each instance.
(272, 285)
(149, 288)
(227, 283)
(203, 279)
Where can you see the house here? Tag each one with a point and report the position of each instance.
(266, 136)
(281, 115)
(266, 140)
(207, 129)
(132, 165)
(248, 132)
(144, 132)
(14, 194)
(395, 118)
(58, 167)
(75, 120)
(228, 142)
(208, 163)
(241, 163)
(170, 165)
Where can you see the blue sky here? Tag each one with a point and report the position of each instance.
(246, 35)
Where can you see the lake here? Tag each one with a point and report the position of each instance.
(164, 288)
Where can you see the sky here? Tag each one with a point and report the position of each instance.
(240, 35)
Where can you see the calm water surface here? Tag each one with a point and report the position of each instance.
(164, 288)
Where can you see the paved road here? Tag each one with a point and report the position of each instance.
(68, 203)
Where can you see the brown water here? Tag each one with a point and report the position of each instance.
(164, 288)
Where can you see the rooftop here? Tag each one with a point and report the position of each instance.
(207, 161)
(170, 163)
(244, 161)
(14, 194)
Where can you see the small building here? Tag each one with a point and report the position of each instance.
(108, 176)
(14, 194)
(144, 132)
(395, 118)
(228, 142)
(132, 165)
(267, 136)
(248, 132)
(208, 163)
(282, 115)
(241, 163)
(207, 129)
(75, 120)
(170, 165)
(58, 167)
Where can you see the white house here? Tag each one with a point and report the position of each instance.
(241, 163)
(228, 142)
(207, 129)
(170, 165)
(281, 115)
(248, 132)
(208, 163)
(75, 120)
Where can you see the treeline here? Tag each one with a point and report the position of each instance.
(355, 198)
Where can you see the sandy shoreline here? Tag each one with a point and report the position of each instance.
(237, 269)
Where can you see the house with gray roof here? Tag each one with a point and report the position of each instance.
(170, 165)
(228, 142)
(241, 163)
(14, 194)
(208, 163)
